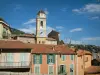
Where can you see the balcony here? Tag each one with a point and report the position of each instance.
(5, 65)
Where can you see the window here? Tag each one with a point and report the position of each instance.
(63, 57)
(50, 58)
(23, 59)
(37, 58)
(39, 42)
(51, 70)
(43, 42)
(41, 23)
(10, 59)
(72, 57)
(62, 69)
(37, 69)
(71, 69)
(86, 59)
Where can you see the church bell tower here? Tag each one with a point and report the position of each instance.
(41, 27)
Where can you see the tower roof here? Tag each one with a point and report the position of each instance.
(1, 19)
(41, 11)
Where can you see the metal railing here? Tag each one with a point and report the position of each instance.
(15, 64)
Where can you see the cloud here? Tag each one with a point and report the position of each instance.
(30, 21)
(49, 29)
(91, 38)
(76, 30)
(59, 27)
(32, 29)
(89, 8)
(94, 17)
(64, 9)
(46, 11)
(17, 7)
(28, 29)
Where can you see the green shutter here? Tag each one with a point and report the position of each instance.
(71, 57)
(34, 58)
(71, 66)
(64, 68)
(58, 69)
(40, 58)
(74, 57)
(53, 58)
(47, 58)
(63, 57)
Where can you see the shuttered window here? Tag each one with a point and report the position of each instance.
(51, 70)
(37, 69)
(50, 58)
(71, 69)
(62, 69)
(63, 57)
(72, 57)
(37, 58)
(10, 59)
(23, 59)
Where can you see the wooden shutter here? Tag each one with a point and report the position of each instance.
(53, 58)
(47, 58)
(34, 58)
(40, 58)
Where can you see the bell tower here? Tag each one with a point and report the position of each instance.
(41, 27)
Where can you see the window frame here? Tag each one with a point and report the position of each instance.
(35, 69)
(50, 70)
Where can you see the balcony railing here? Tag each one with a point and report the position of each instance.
(15, 64)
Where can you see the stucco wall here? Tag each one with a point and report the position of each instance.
(67, 62)
(88, 59)
(51, 42)
(80, 65)
(1, 30)
(26, 40)
(41, 40)
(43, 66)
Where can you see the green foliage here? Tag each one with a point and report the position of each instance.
(91, 48)
(61, 42)
(16, 31)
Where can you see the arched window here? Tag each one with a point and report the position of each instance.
(41, 24)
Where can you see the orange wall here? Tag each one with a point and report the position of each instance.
(67, 62)
(43, 66)
(88, 62)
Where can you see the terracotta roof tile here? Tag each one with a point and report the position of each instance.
(92, 70)
(12, 44)
(42, 48)
(82, 52)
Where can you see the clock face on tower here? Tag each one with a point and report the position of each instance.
(41, 33)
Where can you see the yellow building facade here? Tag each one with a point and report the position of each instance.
(5, 31)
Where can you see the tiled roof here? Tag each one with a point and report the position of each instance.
(36, 48)
(12, 44)
(58, 49)
(92, 70)
(82, 52)
(53, 33)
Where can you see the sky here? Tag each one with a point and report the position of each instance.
(76, 20)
